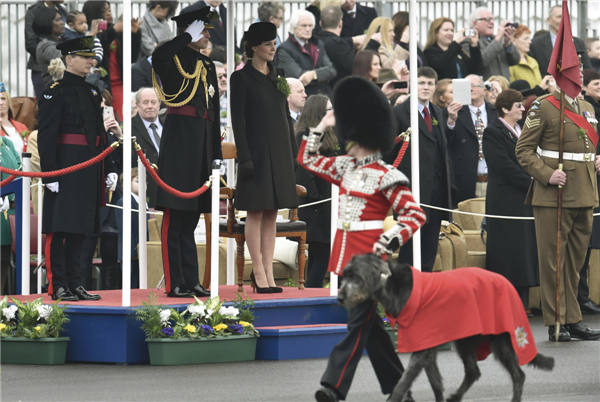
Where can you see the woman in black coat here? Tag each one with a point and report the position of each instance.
(511, 244)
(266, 149)
(317, 217)
(445, 53)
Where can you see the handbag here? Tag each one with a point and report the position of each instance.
(24, 110)
(458, 251)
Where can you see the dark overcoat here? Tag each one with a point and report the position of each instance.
(264, 134)
(463, 148)
(595, 238)
(433, 171)
(295, 60)
(72, 106)
(444, 62)
(360, 23)
(317, 217)
(188, 144)
(511, 244)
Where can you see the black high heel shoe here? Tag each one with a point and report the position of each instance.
(276, 289)
(257, 288)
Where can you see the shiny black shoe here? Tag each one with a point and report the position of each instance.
(582, 331)
(563, 334)
(200, 291)
(82, 294)
(64, 294)
(326, 395)
(276, 289)
(257, 288)
(180, 291)
(589, 308)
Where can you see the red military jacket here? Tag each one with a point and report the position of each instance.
(368, 188)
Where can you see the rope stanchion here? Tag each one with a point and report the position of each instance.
(165, 186)
(64, 171)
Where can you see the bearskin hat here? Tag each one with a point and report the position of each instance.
(363, 114)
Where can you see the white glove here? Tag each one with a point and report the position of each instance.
(52, 187)
(195, 30)
(111, 181)
(222, 170)
(4, 204)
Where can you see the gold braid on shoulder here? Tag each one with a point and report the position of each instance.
(199, 73)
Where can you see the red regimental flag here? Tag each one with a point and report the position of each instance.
(564, 63)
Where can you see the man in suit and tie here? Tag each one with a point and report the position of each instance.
(541, 47)
(434, 165)
(465, 133)
(297, 98)
(356, 19)
(147, 128)
(218, 35)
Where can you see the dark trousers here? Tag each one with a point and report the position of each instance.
(318, 260)
(524, 296)
(109, 248)
(38, 83)
(63, 260)
(430, 234)
(135, 274)
(180, 258)
(365, 329)
(583, 290)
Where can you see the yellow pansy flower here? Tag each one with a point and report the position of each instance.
(220, 327)
(190, 328)
(245, 324)
(39, 329)
(2, 327)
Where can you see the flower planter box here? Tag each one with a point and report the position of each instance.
(170, 352)
(34, 351)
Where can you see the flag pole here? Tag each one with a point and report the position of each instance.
(561, 135)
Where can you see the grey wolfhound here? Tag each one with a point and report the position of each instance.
(391, 284)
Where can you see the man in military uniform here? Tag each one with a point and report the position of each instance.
(579, 196)
(190, 141)
(71, 131)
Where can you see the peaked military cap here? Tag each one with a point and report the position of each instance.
(204, 14)
(79, 46)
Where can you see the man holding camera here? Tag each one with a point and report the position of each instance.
(497, 52)
(434, 168)
(71, 131)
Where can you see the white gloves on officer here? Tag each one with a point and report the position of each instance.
(4, 204)
(52, 187)
(111, 181)
(222, 170)
(195, 30)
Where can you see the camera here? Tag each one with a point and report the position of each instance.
(469, 32)
(515, 25)
(400, 85)
(487, 85)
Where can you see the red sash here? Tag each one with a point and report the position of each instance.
(580, 121)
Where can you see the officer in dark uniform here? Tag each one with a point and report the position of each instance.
(186, 81)
(71, 131)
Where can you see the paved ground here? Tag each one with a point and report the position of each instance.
(576, 378)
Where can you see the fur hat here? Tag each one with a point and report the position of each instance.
(363, 114)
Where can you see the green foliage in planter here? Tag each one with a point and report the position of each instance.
(32, 319)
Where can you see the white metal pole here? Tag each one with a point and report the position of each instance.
(414, 122)
(231, 246)
(39, 233)
(335, 193)
(126, 262)
(214, 232)
(25, 225)
(143, 245)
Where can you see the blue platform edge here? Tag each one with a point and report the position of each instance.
(113, 335)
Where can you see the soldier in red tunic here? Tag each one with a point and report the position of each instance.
(368, 189)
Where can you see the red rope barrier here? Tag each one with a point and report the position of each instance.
(401, 154)
(64, 171)
(165, 186)
(7, 180)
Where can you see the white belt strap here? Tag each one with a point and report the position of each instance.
(569, 156)
(358, 226)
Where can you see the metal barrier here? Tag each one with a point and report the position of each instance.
(533, 13)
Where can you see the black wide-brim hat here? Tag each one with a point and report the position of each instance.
(204, 14)
(363, 114)
(260, 32)
(523, 87)
(79, 46)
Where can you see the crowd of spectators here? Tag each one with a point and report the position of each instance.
(325, 43)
